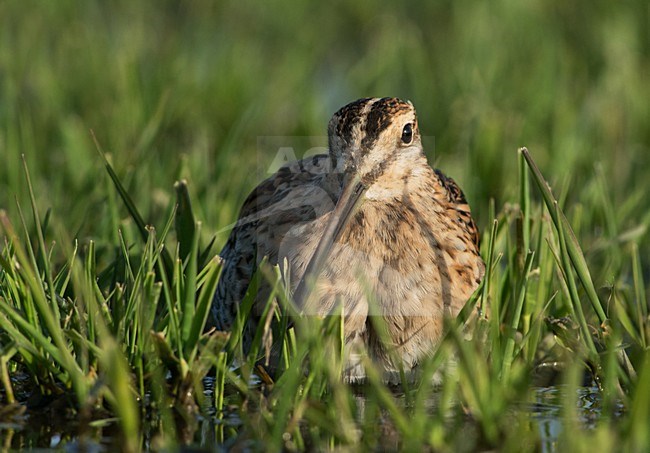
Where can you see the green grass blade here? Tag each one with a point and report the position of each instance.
(204, 303)
(41, 243)
(573, 247)
(508, 356)
(130, 205)
(185, 223)
(189, 297)
(642, 320)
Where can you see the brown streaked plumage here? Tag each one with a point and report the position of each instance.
(370, 226)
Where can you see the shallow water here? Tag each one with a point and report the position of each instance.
(53, 427)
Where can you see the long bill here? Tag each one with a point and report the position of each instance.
(343, 211)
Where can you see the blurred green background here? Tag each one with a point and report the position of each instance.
(185, 88)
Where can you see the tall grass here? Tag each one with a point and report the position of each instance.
(107, 267)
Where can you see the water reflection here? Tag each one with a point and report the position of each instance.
(45, 428)
(548, 409)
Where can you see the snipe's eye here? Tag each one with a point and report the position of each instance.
(407, 134)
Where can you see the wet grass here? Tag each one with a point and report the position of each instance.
(108, 238)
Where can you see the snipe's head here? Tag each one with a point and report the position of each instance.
(369, 135)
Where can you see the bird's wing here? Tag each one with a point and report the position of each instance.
(456, 198)
(272, 208)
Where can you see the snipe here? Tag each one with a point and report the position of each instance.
(370, 227)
